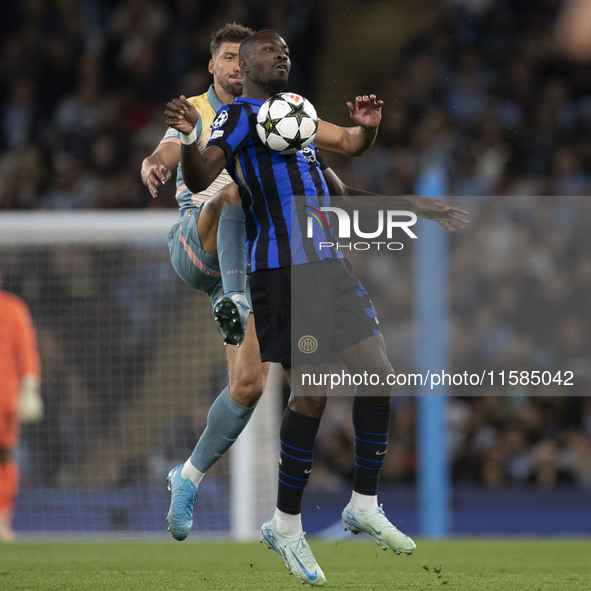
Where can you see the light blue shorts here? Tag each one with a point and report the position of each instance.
(197, 268)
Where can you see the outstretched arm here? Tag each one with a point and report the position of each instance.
(449, 216)
(199, 168)
(366, 112)
(156, 167)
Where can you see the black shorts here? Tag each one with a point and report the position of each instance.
(306, 313)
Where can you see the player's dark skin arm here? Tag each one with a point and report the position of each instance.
(449, 216)
(366, 112)
(201, 168)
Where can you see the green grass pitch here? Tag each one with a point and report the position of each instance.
(511, 564)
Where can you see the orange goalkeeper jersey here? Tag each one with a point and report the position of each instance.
(18, 347)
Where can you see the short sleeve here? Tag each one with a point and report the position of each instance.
(173, 135)
(321, 162)
(230, 130)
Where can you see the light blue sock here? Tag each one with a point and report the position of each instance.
(231, 241)
(225, 421)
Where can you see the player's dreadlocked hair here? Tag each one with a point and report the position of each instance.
(230, 33)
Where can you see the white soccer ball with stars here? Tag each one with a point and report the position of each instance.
(287, 122)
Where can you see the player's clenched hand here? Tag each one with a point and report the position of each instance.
(450, 217)
(181, 114)
(157, 176)
(366, 111)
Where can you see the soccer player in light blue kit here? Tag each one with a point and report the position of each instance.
(207, 248)
(207, 251)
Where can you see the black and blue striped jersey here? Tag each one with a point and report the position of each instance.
(277, 190)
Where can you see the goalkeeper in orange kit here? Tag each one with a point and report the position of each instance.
(20, 400)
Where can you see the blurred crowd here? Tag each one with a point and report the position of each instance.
(480, 91)
(84, 83)
(483, 94)
(483, 89)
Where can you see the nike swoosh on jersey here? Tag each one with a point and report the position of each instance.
(381, 453)
(312, 576)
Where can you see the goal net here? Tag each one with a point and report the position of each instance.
(131, 361)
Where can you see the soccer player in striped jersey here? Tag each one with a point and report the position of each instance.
(268, 182)
(20, 400)
(207, 247)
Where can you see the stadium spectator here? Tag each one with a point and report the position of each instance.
(89, 59)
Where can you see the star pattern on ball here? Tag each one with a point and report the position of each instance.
(270, 126)
(286, 123)
(297, 111)
(295, 142)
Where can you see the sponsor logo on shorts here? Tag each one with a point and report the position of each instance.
(307, 344)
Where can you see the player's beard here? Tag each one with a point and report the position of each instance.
(232, 87)
(276, 85)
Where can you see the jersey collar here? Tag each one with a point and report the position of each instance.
(251, 101)
(213, 99)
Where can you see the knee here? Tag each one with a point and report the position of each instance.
(310, 406)
(378, 392)
(246, 389)
(228, 195)
(231, 198)
(376, 400)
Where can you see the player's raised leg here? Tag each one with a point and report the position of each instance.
(222, 233)
(228, 416)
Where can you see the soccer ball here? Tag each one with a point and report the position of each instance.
(287, 122)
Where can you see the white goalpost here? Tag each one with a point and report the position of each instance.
(131, 361)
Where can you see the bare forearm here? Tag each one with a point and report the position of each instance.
(358, 200)
(353, 197)
(156, 168)
(349, 141)
(450, 217)
(196, 173)
(360, 139)
(153, 160)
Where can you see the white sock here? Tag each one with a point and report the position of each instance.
(363, 503)
(189, 471)
(286, 524)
